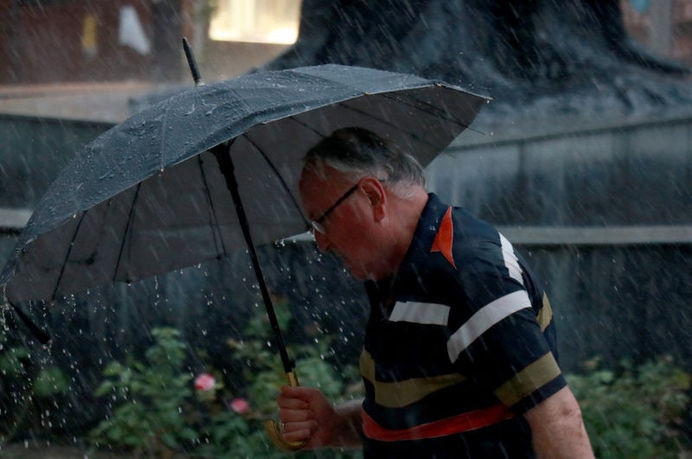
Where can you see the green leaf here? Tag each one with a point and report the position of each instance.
(169, 440)
(188, 434)
(105, 388)
(50, 381)
(629, 411)
(134, 440)
(115, 433)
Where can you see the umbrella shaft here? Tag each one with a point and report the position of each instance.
(223, 157)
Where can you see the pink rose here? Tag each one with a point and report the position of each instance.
(239, 405)
(204, 382)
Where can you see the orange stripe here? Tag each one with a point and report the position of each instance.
(464, 422)
(445, 237)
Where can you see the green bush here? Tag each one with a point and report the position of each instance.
(157, 411)
(29, 389)
(231, 434)
(152, 400)
(263, 372)
(634, 412)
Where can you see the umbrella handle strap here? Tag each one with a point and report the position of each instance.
(272, 427)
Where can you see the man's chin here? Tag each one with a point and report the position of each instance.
(358, 276)
(361, 274)
(356, 272)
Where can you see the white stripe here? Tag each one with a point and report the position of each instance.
(483, 319)
(420, 313)
(511, 260)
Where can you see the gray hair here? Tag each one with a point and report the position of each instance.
(358, 152)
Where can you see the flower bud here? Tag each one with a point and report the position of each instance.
(240, 405)
(204, 382)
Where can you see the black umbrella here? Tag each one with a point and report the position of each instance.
(212, 170)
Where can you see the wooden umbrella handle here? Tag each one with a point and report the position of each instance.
(273, 430)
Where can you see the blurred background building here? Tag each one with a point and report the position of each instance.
(601, 206)
(95, 41)
(63, 41)
(70, 69)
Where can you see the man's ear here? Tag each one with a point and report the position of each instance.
(375, 192)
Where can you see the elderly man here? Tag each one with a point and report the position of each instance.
(460, 356)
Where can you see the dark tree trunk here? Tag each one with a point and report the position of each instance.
(554, 57)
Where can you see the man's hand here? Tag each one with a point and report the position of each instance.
(306, 414)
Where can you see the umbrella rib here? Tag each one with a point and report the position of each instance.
(215, 220)
(163, 135)
(305, 125)
(284, 185)
(127, 230)
(436, 112)
(67, 255)
(42, 336)
(364, 113)
(388, 95)
(388, 123)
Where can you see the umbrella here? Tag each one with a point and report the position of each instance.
(212, 170)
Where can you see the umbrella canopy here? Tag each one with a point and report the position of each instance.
(147, 196)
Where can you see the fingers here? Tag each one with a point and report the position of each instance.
(296, 431)
(305, 415)
(302, 436)
(290, 403)
(303, 393)
(297, 436)
(298, 398)
(286, 415)
(295, 413)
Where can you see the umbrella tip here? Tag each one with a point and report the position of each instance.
(192, 63)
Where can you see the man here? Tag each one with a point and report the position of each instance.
(460, 356)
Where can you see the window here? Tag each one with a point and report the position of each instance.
(258, 21)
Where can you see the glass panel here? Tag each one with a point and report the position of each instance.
(258, 21)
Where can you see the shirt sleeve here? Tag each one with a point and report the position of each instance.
(494, 334)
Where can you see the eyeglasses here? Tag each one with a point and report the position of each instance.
(317, 223)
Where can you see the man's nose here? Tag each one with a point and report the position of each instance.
(322, 242)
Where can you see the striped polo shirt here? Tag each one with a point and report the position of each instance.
(459, 343)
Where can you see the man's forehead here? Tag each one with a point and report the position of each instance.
(320, 190)
(309, 178)
(320, 175)
(311, 183)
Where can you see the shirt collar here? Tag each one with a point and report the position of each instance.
(423, 238)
